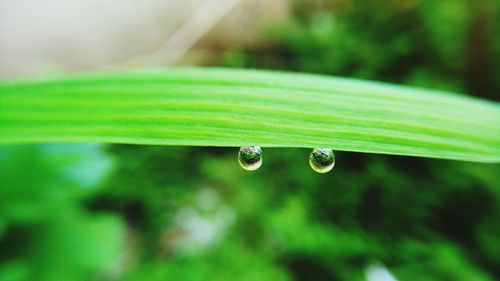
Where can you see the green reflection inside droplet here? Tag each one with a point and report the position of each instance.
(322, 160)
(250, 157)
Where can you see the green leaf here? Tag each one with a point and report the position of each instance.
(229, 107)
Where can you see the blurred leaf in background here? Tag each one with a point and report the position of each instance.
(285, 222)
(449, 44)
(47, 234)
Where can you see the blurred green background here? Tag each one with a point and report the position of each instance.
(125, 212)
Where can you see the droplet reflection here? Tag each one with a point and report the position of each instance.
(322, 160)
(250, 157)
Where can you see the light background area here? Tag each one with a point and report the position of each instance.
(51, 36)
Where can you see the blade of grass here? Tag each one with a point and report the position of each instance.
(228, 107)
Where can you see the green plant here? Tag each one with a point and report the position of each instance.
(228, 107)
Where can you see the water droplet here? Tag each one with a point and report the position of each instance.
(322, 160)
(250, 157)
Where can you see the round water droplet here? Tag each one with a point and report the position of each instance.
(322, 160)
(250, 157)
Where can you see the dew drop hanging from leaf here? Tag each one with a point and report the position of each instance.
(250, 157)
(322, 160)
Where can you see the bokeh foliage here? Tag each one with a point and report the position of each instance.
(122, 212)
